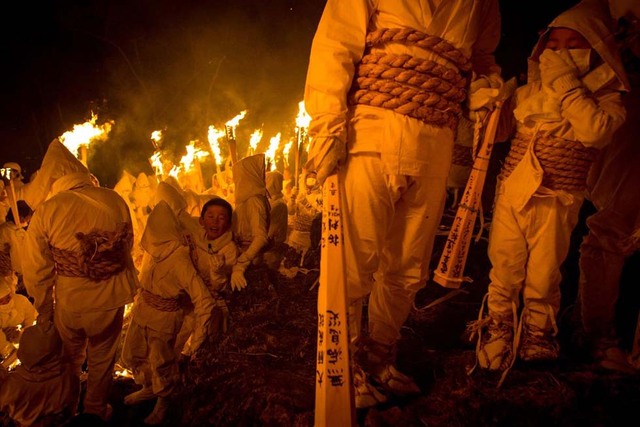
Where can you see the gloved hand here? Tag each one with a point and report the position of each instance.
(558, 71)
(484, 91)
(326, 154)
(238, 282)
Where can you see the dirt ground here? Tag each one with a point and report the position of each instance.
(262, 371)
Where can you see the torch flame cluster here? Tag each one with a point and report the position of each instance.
(78, 139)
(83, 134)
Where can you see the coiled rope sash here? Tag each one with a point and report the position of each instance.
(5, 261)
(102, 255)
(160, 303)
(565, 163)
(419, 88)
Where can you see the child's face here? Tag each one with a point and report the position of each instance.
(215, 221)
(566, 38)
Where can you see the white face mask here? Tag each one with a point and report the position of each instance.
(582, 59)
(310, 182)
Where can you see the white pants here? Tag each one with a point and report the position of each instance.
(94, 337)
(526, 250)
(390, 223)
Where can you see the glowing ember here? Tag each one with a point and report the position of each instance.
(84, 134)
(274, 143)
(256, 137)
(214, 135)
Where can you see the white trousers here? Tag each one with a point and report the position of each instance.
(526, 250)
(390, 223)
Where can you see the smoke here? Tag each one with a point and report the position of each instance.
(174, 66)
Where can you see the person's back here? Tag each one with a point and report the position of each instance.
(78, 255)
(108, 279)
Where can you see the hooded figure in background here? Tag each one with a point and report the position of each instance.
(304, 206)
(78, 268)
(16, 313)
(251, 217)
(57, 162)
(43, 386)
(157, 315)
(279, 216)
(11, 244)
(124, 187)
(570, 108)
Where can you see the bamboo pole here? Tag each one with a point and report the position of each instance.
(334, 405)
(454, 256)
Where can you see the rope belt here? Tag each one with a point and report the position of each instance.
(565, 163)
(160, 303)
(419, 88)
(5, 261)
(102, 255)
(302, 222)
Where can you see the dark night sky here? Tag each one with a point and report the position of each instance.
(175, 65)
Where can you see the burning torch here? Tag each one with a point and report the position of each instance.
(7, 176)
(230, 128)
(302, 126)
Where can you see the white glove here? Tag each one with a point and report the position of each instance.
(558, 71)
(238, 282)
(325, 156)
(484, 92)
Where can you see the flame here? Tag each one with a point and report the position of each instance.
(270, 154)
(83, 134)
(121, 371)
(193, 153)
(175, 171)
(156, 163)
(256, 137)
(302, 119)
(214, 135)
(234, 122)
(285, 152)
(156, 138)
